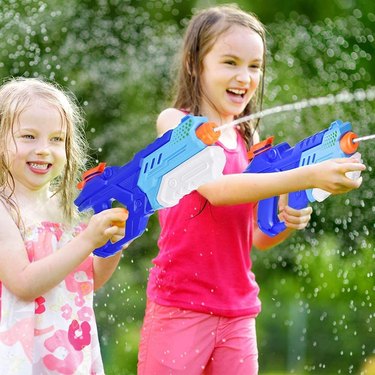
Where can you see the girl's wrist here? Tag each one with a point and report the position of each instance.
(309, 176)
(85, 241)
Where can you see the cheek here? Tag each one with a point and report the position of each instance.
(255, 80)
(61, 154)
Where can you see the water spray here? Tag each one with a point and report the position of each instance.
(365, 138)
(343, 97)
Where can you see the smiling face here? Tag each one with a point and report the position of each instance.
(231, 73)
(36, 153)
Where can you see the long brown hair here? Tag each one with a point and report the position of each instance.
(15, 96)
(202, 31)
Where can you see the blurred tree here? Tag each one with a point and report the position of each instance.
(116, 56)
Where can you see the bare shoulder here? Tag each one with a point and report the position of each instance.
(168, 119)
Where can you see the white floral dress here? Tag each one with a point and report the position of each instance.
(56, 333)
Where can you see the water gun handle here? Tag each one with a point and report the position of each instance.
(134, 226)
(268, 220)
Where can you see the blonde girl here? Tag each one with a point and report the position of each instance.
(47, 272)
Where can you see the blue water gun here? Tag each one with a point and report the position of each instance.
(158, 176)
(334, 142)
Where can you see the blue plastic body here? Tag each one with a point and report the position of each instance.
(317, 148)
(136, 184)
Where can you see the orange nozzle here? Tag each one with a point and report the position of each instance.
(206, 133)
(346, 143)
(259, 148)
(88, 175)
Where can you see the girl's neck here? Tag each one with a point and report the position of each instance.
(38, 206)
(24, 195)
(228, 137)
(216, 117)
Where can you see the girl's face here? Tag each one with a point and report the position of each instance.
(37, 154)
(231, 73)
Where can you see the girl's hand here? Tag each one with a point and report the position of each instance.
(106, 225)
(294, 219)
(331, 175)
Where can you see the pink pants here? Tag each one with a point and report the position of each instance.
(175, 341)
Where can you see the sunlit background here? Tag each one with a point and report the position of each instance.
(317, 288)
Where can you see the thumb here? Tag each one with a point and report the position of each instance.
(283, 202)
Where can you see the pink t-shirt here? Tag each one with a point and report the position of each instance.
(204, 259)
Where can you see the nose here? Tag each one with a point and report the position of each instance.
(243, 75)
(42, 148)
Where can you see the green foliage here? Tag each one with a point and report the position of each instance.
(317, 288)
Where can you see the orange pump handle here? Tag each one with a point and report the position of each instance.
(346, 143)
(259, 148)
(89, 174)
(206, 133)
(120, 224)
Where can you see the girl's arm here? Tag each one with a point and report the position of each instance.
(105, 267)
(250, 187)
(28, 280)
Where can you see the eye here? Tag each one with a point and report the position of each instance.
(58, 139)
(230, 62)
(27, 136)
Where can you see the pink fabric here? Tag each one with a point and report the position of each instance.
(177, 341)
(57, 332)
(204, 262)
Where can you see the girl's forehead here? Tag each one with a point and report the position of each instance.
(239, 40)
(41, 113)
(237, 34)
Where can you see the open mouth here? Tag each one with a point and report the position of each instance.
(39, 167)
(237, 92)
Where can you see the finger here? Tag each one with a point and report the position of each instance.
(110, 231)
(301, 212)
(116, 238)
(123, 216)
(349, 184)
(355, 168)
(296, 220)
(118, 223)
(349, 160)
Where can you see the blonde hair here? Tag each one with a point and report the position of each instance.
(202, 32)
(15, 95)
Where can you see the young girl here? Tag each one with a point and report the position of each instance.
(202, 295)
(47, 272)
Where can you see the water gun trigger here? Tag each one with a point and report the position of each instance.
(259, 148)
(207, 134)
(91, 173)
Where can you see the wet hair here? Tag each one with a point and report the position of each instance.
(202, 32)
(16, 94)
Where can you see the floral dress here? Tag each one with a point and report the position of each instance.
(56, 333)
